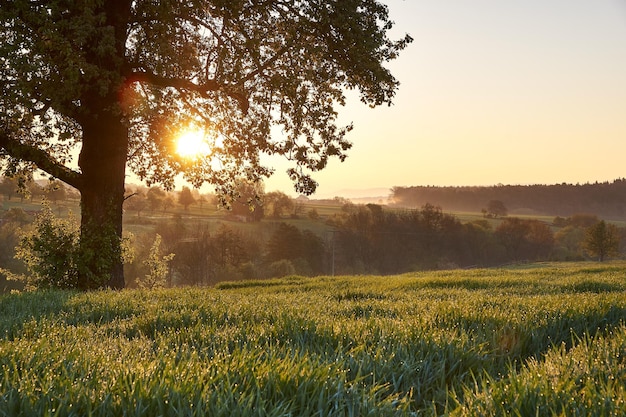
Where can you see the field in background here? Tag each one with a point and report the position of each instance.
(544, 339)
(213, 216)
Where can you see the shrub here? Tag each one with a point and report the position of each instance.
(157, 266)
(49, 251)
(281, 268)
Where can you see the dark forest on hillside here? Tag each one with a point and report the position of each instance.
(606, 199)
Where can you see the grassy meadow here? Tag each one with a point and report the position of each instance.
(547, 340)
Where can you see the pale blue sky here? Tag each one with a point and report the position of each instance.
(493, 91)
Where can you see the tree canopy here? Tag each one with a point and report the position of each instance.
(602, 240)
(235, 67)
(496, 208)
(114, 82)
(186, 198)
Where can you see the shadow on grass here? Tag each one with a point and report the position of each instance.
(29, 307)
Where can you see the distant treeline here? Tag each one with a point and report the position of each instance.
(369, 239)
(606, 199)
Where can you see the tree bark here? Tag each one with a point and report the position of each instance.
(103, 164)
(103, 157)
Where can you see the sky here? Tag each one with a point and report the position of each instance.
(492, 92)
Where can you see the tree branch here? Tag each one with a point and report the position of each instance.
(41, 159)
(183, 84)
(265, 65)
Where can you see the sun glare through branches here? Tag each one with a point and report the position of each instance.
(192, 144)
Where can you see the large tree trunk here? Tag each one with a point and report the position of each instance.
(103, 156)
(103, 165)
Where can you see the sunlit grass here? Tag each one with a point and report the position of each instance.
(545, 340)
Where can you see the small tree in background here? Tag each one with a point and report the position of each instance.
(200, 199)
(281, 268)
(525, 239)
(55, 191)
(495, 209)
(602, 240)
(157, 266)
(8, 187)
(136, 202)
(168, 202)
(570, 238)
(186, 198)
(278, 203)
(35, 191)
(285, 243)
(249, 205)
(155, 196)
(10, 232)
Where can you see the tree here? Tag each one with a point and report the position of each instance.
(8, 187)
(583, 220)
(525, 238)
(116, 80)
(10, 234)
(35, 190)
(201, 199)
(15, 215)
(303, 248)
(277, 203)
(313, 251)
(136, 201)
(157, 267)
(313, 214)
(285, 243)
(168, 202)
(496, 208)
(193, 263)
(50, 251)
(602, 240)
(186, 198)
(55, 191)
(228, 248)
(155, 197)
(247, 204)
(540, 239)
(570, 238)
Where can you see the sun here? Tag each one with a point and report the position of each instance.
(192, 144)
